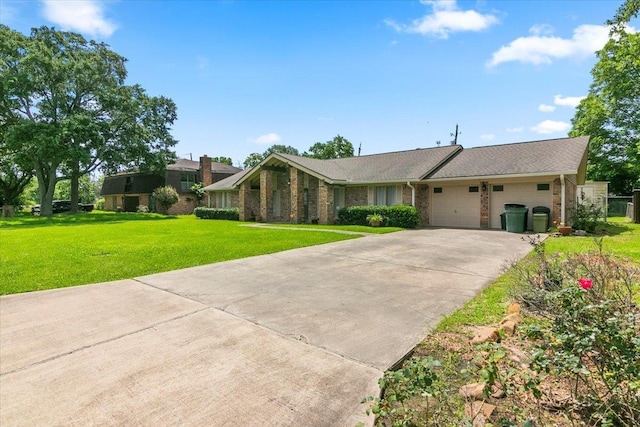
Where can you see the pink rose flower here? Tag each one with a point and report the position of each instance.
(585, 283)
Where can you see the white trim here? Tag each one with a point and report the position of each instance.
(493, 177)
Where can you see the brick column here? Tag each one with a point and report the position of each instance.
(557, 202)
(266, 195)
(296, 180)
(422, 203)
(325, 202)
(244, 202)
(484, 205)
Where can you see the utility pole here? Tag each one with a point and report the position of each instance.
(455, 136)
(359, 148)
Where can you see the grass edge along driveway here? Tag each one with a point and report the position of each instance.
(70, 250)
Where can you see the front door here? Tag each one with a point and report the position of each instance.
(131, 203)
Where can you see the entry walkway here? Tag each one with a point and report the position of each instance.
(292, 338)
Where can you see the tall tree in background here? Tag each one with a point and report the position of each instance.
(337, 148)
(610, 113)
(255, 158)
(69, 111)
(223, 160)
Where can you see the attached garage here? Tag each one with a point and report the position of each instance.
(456, 206)
(530, 194)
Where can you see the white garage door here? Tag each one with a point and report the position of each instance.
(455, 206)
(530, 194)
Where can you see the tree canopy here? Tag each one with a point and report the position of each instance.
(610, 113)
(222, 159)
(255, 158)
(68, 111)
(337, 148)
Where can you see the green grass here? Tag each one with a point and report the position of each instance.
(620, 237)
(67, 250)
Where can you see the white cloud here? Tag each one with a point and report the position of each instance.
(546, 108)
(445, 18)
(542, 48)
(551, 126)
(515, 130)
(268, 138)
(487, 137)
(568, 101)
(85, 16)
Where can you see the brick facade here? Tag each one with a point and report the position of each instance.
(356, 196)
(485, 221)
(423, 196)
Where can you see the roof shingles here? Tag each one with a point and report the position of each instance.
(539, 157)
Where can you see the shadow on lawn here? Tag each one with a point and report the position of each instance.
(613, 229)
(66, 219)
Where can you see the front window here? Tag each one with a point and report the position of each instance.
(186, 181)
(385, 195)
(223, 200)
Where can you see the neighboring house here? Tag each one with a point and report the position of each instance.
(126, 191)
(450, 186)
(595, 193)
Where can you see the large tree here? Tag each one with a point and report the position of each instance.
(15, 173)
(337, 148)
(70, 112)
(610, 113)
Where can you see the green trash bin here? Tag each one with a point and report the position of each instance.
(539, 222)
(516, 219)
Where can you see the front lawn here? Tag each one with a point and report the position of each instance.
(67, 250)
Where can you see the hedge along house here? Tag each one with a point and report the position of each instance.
(126, 191)
(450, 186)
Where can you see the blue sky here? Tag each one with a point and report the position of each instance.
(390, 75)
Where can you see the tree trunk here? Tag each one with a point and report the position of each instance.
(75, 183)
(47, 180)
(7, 211)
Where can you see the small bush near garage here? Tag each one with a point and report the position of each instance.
(232, 214)
(393, 216)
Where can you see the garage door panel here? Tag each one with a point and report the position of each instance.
(455, 206)
(523, 193)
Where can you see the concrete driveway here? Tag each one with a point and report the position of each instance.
(293, 338)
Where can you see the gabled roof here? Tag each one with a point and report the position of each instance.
(546, 157)
(228, 183)
(535, 158)
(399, 166)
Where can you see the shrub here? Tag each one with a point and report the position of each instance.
(393, 216)
(166, 196)
(100, 204)
(592, 336)
(215, 213)
(143, 209)
(587, 215)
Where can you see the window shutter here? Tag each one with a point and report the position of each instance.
(398, 200)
